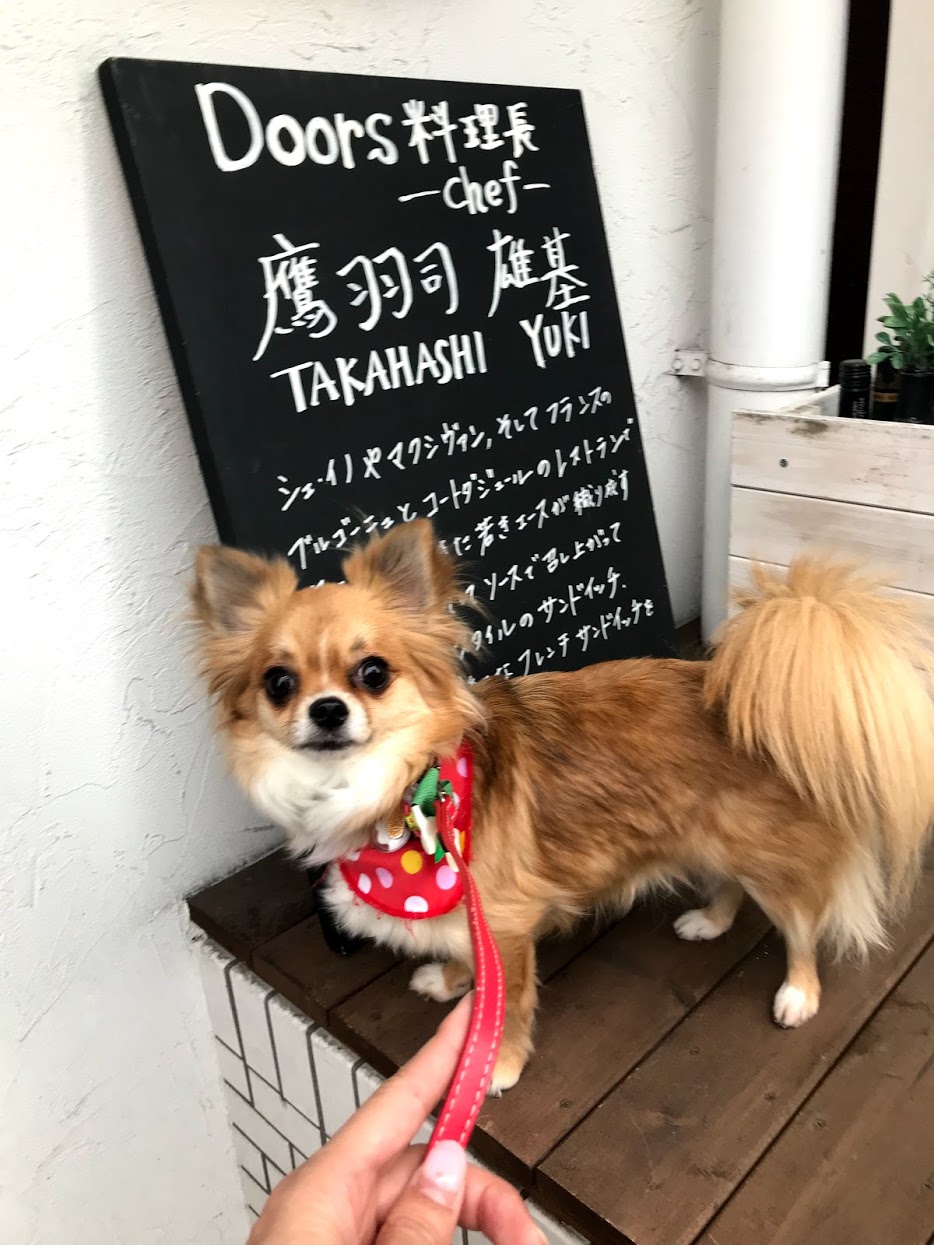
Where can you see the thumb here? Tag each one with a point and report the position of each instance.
(427, 1212)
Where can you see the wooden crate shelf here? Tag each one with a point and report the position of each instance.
(802, 479)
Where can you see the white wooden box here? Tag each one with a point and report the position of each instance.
(804, 479)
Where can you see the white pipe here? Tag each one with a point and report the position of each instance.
(778, 127)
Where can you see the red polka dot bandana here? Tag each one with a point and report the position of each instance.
(405, 873)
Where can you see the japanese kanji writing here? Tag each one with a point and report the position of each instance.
(513, 267)
(290, 278)
(386, 278)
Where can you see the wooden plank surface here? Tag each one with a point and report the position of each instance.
(856, 1166)
(300, 965)
(661, 1154)
(386, 1022)
(741, 577)
(245, 910)
(773, 527)
(852, 460)
(598, 1016)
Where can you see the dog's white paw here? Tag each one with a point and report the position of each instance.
(506, 1073)
(696, 926)
(428, 980)
(793, 1006)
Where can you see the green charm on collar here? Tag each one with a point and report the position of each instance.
(428, 792)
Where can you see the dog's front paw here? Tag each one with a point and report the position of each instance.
(432, 981)
(697, 926)
(508, 1069)
(793, 1006)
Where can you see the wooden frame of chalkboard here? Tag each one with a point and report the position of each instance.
(391, 297)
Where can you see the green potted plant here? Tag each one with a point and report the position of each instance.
(908, 345)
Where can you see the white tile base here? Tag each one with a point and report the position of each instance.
(367, 1081)
(254, 1195)
(250, 1158)
(289, 1084)
(333, 1064)
(233, 1069)
(273, 1174)
(290, 1034)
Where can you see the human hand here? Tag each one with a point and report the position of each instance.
(370, 1186)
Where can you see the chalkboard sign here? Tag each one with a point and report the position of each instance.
(388, 297)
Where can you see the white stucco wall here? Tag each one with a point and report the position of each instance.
(113, 802)
(903, 231)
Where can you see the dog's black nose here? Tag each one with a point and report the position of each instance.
(329, 713)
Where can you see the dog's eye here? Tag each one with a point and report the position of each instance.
(372, 674)
(280, 684)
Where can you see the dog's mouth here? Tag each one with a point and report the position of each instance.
(327, 745)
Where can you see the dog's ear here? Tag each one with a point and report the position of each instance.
(408, 565)
(232, 590)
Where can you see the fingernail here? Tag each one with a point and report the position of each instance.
(441, 1176)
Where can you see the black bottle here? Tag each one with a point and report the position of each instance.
(885, 392)
(914, 397)
(855, 388)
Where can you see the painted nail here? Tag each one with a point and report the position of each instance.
(441, 1176)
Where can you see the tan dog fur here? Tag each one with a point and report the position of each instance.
(797, 766)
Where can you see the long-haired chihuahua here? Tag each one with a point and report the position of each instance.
(796, 766)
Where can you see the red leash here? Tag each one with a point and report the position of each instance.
(475, 1067)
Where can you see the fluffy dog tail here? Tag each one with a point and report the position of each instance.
(831, 678)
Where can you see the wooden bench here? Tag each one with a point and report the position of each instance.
(662, 1106)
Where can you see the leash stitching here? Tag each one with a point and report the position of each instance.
(484, 949)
